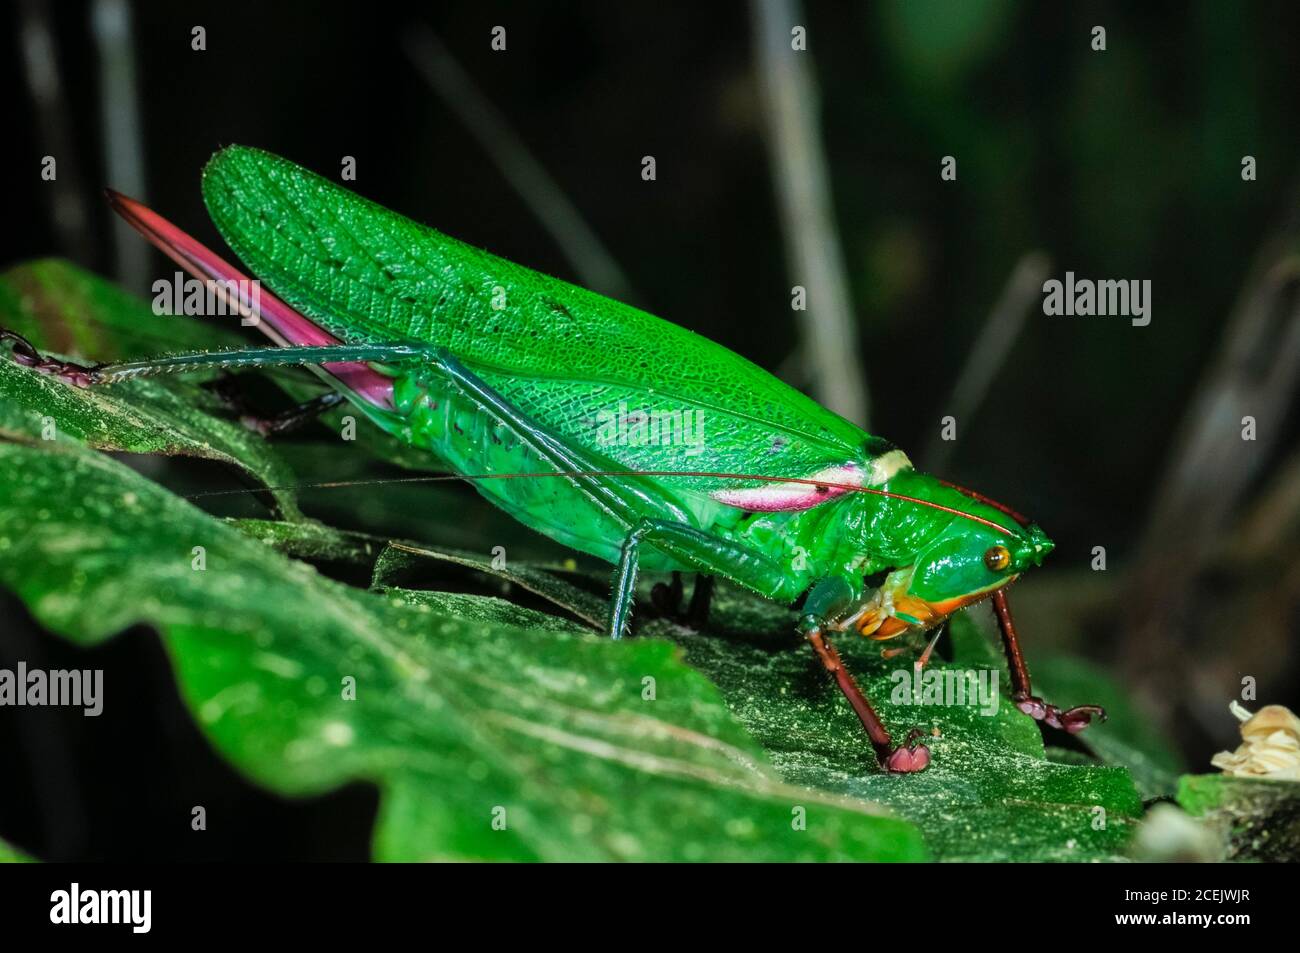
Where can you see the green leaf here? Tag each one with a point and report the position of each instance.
(455, 719)
(990, 793)
(12, 855)
(312, 541)
(937, 42)
(1257, 819)
(401, 556)
(487, 610)
(1126, 738)
(56, 305)
(62, 309)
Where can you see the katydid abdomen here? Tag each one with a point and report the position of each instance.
(602, 426)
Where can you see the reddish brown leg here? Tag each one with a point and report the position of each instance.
(909, 756)
(1073, 720)
(25, 353)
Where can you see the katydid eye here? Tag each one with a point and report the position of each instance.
(997, 558)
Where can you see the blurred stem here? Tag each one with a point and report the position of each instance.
(66, 191)
(800, 175)
(1272, 524)
(123, 142)
(593, 263)
(1255, 375)
(1210, 471)
(990, 350)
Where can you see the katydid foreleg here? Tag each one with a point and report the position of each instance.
(1072, 720)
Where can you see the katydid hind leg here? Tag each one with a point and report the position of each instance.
(684, 543)
(1072, 720)
(828, 599)
(325, 356)
(25, 354)
(307, 356)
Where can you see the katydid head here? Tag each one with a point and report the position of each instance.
(980, 547)
(971, 561)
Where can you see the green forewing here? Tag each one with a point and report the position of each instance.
(570, 358)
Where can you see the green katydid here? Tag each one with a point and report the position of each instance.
(510, 377)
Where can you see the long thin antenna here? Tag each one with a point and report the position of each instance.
(979, 497)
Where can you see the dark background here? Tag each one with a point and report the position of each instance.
(1119, 164)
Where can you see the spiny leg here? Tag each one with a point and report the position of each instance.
(81, 375)
(258, 357)
(828, 600)
(907, 757)
(1072, 720)
(624, 585)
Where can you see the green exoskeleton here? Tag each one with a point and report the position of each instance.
(663, 450)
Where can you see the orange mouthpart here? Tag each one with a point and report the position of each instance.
(877, 627)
